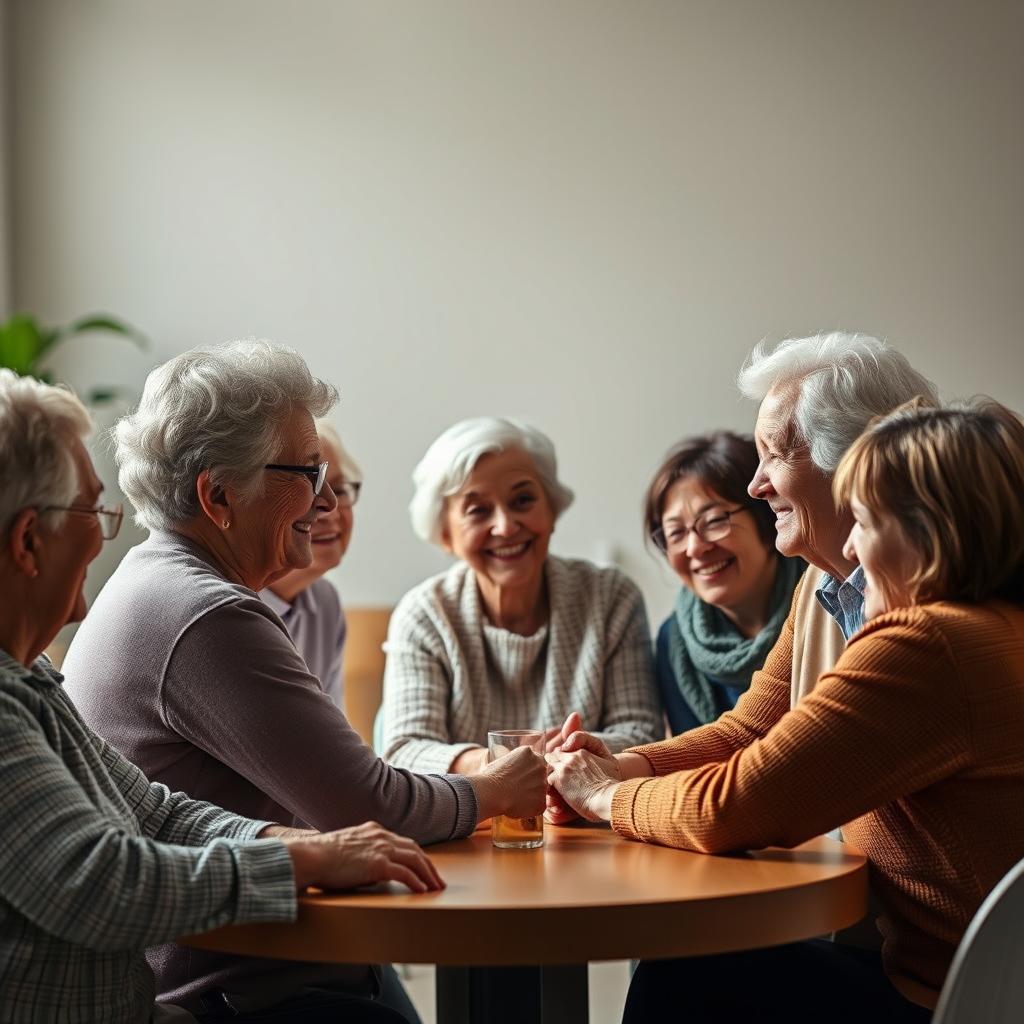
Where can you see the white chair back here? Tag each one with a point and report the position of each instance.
(986, 979)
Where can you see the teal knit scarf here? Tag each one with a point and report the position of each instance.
(703, 643)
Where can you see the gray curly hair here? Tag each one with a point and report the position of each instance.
(37, 424)
(217, 408)
(843, 382)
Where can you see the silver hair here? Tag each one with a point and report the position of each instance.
(842, 382)
(349, 467)
(38, 422)
(444, 469)
(218, 408)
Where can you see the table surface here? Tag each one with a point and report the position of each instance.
(586, 895)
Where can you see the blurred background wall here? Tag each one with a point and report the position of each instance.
(583, 213)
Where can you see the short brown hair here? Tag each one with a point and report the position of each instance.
(954, 480)
(726, 462)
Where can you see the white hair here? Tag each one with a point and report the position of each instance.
(38, 422)
(842, 382)
(219, 408)
(444, 469)
(349, 467)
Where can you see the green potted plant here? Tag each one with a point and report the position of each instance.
(25, 345)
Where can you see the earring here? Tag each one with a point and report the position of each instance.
(225, 524)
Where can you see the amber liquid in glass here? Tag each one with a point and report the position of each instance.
(517, 833)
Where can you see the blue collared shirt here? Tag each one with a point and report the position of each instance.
(844, 601)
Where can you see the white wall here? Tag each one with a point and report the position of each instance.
(584, 213)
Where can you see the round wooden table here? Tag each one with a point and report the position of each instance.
(587, 895)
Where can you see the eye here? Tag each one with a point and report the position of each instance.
(477, 511)
(524, 500)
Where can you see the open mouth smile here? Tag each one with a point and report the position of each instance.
(509, 552)
(715, 569)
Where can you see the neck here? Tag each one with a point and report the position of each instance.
(22, 635)
(828, 551)
(752, 614)
(217, 547)
(521, 610)
(289, 587)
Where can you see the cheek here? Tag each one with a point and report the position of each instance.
(681, 567)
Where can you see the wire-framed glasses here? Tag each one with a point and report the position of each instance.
(713, 525)
(315, 474)
(109, 516)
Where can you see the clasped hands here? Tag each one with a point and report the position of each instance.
(582, 775)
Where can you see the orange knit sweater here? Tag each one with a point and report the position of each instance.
(913, 743)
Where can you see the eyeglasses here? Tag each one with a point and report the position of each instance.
(710, 527)
(315, 474)
(348, 492)
(109, 516)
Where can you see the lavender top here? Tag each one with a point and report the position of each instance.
(194, 679)
(316, 623)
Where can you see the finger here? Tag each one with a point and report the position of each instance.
(395, 872)
(554, 742)
(572, 724)
(420, 865)
(555, 757)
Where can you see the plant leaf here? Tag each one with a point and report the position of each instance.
(103, 322)
(20, 343)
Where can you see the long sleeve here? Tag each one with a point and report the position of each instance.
(756, 712)
(417, 697)
(172, 817)
(71, 869)
(261, 713)
(887, 721)
(631, 711)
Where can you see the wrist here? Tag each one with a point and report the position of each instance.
(304, 853)
(604, 800)
(488, 799)
(633, 765)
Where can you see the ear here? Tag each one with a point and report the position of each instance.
(23, 542)
(446, 537)
(213, 497)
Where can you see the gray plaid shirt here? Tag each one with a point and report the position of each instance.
(96, 863)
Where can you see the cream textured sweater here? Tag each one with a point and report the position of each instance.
(451, 676)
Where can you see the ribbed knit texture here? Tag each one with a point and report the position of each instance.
(914, 743)
(450, 676)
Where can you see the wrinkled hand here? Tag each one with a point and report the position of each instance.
(585, 782)
(514, 784)
(361, 855)
(568, 738)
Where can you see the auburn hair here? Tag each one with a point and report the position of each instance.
(953, 478)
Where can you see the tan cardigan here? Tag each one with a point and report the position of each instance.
(817, 639)
(912, 742)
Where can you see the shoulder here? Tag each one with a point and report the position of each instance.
(326, 596)
(960, 626)
(437, 605)
(597, 584)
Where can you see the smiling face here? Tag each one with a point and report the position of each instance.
(799, 493)
(332, 530)
(501, 521)
(730, 573)
(270, 533)
(881, 547)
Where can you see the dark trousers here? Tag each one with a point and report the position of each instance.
(311, 1006)
(802, 983)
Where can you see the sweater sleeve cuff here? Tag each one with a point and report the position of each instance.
(630, 805)
(245, 828)
(662, 756)
(266, 882)
(467, 812)
(431, 758)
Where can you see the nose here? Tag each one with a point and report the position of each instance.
(695, 544)
(757, 487)
(504, 523)
(849, 552)
(326, 501)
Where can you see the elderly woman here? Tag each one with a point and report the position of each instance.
(913, 738)
(736, 589)
(817, 395)
(187, 672)
(307, 603)
(96, 862)
(510, 637)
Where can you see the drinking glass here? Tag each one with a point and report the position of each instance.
(515, 833)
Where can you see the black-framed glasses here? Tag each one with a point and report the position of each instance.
(713, 525)
(347, 493)
(316, 475)
(108, 516)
